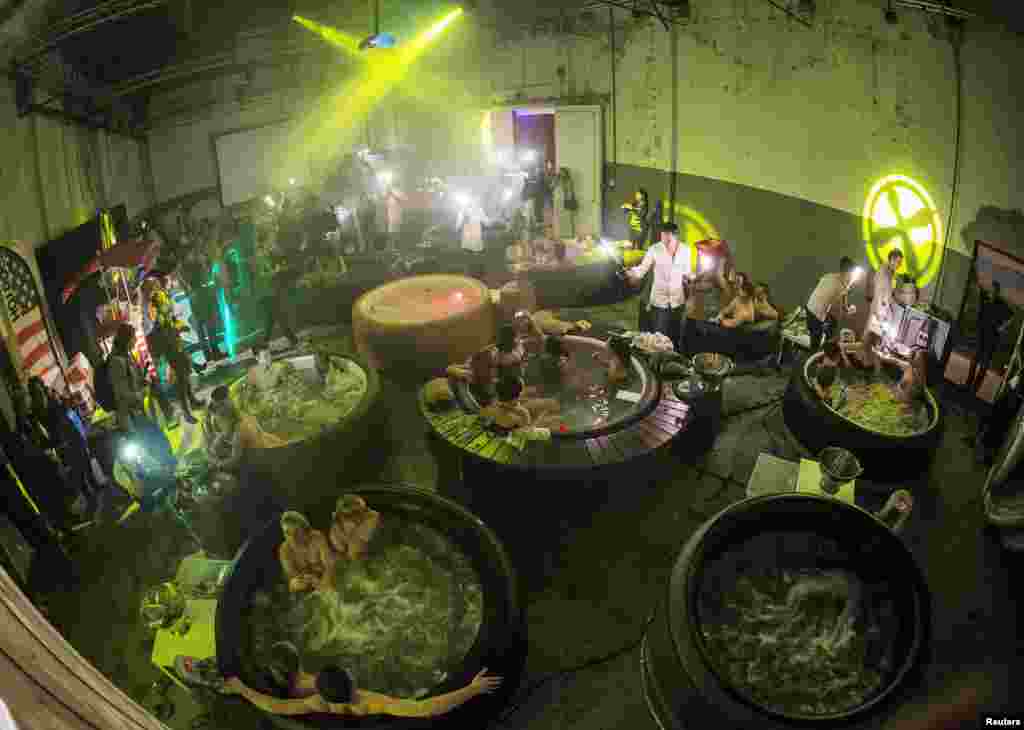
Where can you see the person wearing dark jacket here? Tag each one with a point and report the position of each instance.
(288, 247)
(994, 317)
(638, 213)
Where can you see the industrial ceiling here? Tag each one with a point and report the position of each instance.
(104, 59)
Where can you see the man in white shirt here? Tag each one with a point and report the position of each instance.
(880, 294)
(672, 272)
(828, 300)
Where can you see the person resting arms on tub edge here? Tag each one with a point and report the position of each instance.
(617, 361)
(510, 412)
(742, 309)
(353, 524)
(305, 555)
(333, 691)
(832, 359)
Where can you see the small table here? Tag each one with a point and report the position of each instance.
(773, 475)
(199, 640)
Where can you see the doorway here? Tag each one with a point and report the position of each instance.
(535, 131)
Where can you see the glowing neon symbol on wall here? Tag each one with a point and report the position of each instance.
(899, 213)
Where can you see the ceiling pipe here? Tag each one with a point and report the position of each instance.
(930, 7)
(52, 40)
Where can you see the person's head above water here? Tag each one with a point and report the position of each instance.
(506, 338)
(336, 685)
(509, 389)
(895, 258)
(294, 524)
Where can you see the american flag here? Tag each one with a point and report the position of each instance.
(25, 309)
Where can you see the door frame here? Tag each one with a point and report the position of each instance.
(599, 166)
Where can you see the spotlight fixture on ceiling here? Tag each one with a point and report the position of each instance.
(808, 8)
(377, 39)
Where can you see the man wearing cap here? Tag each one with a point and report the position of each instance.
(672, 273)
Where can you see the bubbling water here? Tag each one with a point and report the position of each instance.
(401, 620)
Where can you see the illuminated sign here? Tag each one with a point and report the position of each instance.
(899, 213)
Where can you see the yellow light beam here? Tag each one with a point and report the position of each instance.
(327, 133)
(337, 38)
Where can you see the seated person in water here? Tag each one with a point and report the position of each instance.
(510, 352)
(481, 374)
(557, 373)
(741, 310)
(305, 555)
(912, 384)
(230, 434)
(832, 359)
(617, 363)
(509, 412)
(352, 525)
(333, 691)
(527, 332)
(764, 310)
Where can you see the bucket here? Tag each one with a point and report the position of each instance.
(838, 466)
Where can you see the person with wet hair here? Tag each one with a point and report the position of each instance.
(828, 370)
(230, 434)
(333, 691)
(511, 411)
(764, 309)
(353, 524)
(741, 309)
(305, 555)
(617, 360)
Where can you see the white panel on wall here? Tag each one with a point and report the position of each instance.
(254, 162)
(578, 146)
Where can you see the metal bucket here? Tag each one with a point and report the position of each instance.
(838, 466)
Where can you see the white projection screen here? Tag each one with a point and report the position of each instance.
(254, 162)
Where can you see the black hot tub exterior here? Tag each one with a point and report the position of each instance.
(682, 689)
(885, 458)
(500, 645)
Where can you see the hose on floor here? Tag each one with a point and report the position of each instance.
(532, 688)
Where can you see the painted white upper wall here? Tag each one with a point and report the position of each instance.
(819, 114)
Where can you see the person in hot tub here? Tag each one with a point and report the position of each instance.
(742, 309)
(617, 362)
(305, 555)
(912, 384)
(556, 371)
(230, 435)
(511, 412)
(528, 332)
(352, 525)
(511, 354)
(832, 359)
(333, 691)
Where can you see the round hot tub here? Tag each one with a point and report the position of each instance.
(432, 603)
(319, 413)
(787, 611)
(869, 423)
(597, 409)
(423, 323)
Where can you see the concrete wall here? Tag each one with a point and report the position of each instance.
(777, 132)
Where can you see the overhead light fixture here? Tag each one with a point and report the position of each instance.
(377, 39)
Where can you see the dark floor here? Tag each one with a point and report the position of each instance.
(591, 593)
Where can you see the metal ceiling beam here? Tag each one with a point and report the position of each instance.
(218, 65)
(84, 23)
(633, 8)
(930, 7)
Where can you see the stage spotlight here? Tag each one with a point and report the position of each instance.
(462, 200)
(385, 177)
(269, 200)
(131, 452)
(291, 181)
(528, 157)
(509, 195)
(378, 40)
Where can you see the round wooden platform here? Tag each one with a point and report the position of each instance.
(474, 439)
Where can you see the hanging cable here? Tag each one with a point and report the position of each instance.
(957, 39)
